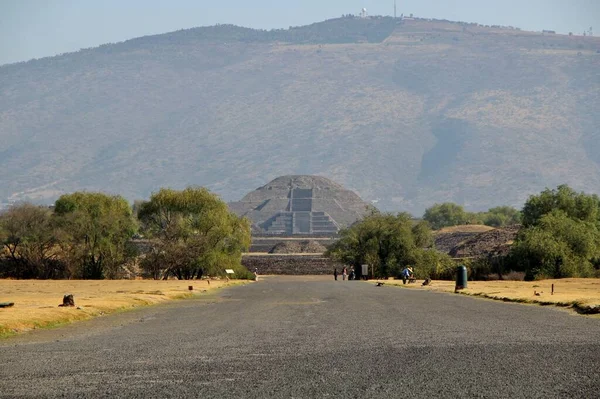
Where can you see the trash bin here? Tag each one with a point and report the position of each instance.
(461, 277)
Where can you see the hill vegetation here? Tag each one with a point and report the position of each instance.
(406, 113)
(449, 214)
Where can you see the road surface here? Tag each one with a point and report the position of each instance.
(311, 337)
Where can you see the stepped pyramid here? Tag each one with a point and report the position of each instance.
(301, 205)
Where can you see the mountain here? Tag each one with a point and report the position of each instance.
(404, 112)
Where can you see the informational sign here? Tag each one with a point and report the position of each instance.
(365, 270)
(229, 271)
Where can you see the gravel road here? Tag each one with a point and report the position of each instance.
(310, 337)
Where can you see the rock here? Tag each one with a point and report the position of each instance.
(292, 247)
(68, 300)
(495, 242)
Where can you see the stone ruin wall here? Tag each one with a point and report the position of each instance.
(290, 265)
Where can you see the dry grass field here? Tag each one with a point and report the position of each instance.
(466, 228)
(36, 301)
(583, 295)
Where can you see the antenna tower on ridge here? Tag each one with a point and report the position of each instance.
(394, 9)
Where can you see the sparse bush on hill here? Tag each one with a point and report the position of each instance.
(388, 243)
(195, 234)
(446, 214)
(450, 214)
(501, 216)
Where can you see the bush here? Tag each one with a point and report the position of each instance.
(449, 214)
(195, 234)
(561, 237)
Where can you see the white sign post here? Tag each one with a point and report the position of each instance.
(365, 271)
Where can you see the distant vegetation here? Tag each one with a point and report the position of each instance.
(560, 238)
(192, 233)
(450, 214)
(348, 29)
(88, 236)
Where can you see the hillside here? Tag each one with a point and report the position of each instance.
(406, 113)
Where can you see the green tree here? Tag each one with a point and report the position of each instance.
(388, 243)
(446, 214)
(558, 246)
(28, 236)
(501, 216)
(95, 229)
(576, 205)
(561, 235)
(194, 233)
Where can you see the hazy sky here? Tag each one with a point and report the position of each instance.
(39, 28)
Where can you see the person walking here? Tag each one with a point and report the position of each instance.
(344, 274)
(335, 274)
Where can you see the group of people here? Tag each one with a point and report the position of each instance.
(351, 276)
(407, 274)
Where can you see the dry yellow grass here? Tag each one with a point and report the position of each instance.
(36, 301)
(467, 228)
(282, 254)
(581, 294)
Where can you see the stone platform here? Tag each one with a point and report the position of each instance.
(290, 264)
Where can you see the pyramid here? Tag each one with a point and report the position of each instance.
(301, 205)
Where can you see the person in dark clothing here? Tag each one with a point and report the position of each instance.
(335, 274)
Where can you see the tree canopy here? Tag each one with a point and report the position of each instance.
(388, 243)
(194, 234)
(28, 235)
(446, 214)
(575, 205)
(561, 235)
(500, 216)
(450, 214)
(95, 229)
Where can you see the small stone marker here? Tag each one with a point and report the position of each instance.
(68, 300)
